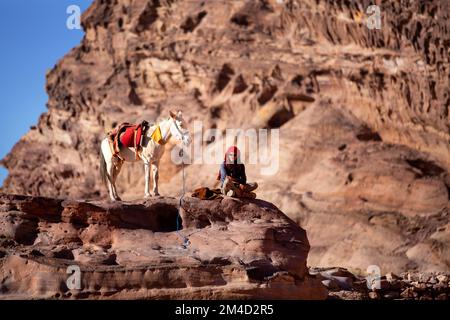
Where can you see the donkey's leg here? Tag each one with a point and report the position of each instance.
(110, 170)
(155, 178)
(147, 180)
(106, 166)
(115, 173)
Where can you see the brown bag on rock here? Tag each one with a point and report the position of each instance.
(205, 193)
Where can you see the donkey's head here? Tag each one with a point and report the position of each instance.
(178, 128)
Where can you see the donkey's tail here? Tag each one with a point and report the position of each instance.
(103, 171)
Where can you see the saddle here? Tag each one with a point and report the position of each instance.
(128, 135)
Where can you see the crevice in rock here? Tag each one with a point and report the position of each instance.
(36, 253)
(241, 20)
(148, 16)
(259, 271)
(64, 254)
(26, 232)
(224, 77)
(366, 134)
(297, 80)
(300, 97)
(202, 221)
(192, 22)
(349, 179)
(111, 260)
(159, 217)
(282, 116)
(267, 94)
(215, 112)
(169, 221)
(133, 96)
(427, 168)
(239, 85)
(221, 261)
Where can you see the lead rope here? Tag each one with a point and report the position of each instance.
(185, 239)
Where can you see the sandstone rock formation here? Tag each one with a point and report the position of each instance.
(235, 250)
(363, 114)
(362, 202)
(344, 285)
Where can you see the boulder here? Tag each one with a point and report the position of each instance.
(225, 248)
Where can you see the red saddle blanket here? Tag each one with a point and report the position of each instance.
(127, 138)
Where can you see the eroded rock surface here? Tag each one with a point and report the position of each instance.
(363, 114)
(344, 285)
(234, 250)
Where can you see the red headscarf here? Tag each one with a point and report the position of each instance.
(237, 152)
(234, 150)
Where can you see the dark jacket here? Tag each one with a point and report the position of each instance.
(236, 171)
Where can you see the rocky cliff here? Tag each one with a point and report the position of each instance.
(363, 114)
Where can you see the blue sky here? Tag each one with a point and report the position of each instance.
(33, 37)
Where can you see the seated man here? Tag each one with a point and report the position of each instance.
(232, 176)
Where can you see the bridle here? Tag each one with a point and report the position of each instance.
(185, 239)
(180, 132)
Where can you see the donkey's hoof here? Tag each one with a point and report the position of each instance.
(157, 195)
(147, 196)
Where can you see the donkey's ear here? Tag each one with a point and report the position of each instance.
(172, 114)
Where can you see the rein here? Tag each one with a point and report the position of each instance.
(185, 239)
(180, 132)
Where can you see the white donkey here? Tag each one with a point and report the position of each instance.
(151, 152)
